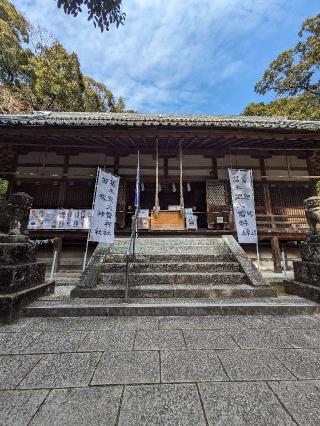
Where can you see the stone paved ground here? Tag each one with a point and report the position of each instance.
(226, 370)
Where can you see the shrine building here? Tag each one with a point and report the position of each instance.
(183, 160)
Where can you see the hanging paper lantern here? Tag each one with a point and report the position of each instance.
(174, 189)
(188, 187)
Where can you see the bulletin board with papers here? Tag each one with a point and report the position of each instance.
(61, 219)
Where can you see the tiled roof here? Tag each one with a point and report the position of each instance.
(89, 119)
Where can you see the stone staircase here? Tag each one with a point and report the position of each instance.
(178, 268)
(171, 276)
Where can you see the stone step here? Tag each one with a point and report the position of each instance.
(69, 274)
(171, 307)
(171, 241)
(11, 304)
(174, 242)
(173, 267)
(61, 281)
(158, 278)
(172, 258)
(308, 291)
(190, 250)
(178, 291)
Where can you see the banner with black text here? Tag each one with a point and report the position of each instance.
(105, 206)
(243, 205)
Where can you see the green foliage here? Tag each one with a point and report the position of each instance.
(16, 99)
(303, 107)
(4, 184)
(295, 75)
(97, 97)
(103, 12)
(46, 76)
(14, 30)
(14, 20)
(296, 70)
(119, 105)
(56, 79)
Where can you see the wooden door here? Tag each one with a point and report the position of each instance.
(217, 204)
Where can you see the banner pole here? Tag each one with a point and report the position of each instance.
(89, 231)
(284, 267)
(53, 266)
(258, 255)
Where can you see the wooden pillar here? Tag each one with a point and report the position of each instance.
(12, 177)
(276, 254)
(275, 246)
(214, 170)
(313, 171)
(63, 184)
(165, 167)
(116, 165)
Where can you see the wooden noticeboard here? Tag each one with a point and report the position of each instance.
(167, 220)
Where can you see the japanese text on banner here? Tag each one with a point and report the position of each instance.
(243, 205)
(105, 206)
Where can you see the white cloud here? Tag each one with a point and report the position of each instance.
(171, 55)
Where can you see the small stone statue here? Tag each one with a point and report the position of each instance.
(312, 210)
(14, 214)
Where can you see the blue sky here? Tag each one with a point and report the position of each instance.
(180, 56)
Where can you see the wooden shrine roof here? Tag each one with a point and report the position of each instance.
(124, 133)
(128, 120)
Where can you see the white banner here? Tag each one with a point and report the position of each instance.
(243, 205)
(105, 206)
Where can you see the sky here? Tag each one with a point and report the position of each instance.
(180, 56)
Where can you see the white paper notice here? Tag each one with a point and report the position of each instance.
(66, 219)
(105, 206)
(243, 205)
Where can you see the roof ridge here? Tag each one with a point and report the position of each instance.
(73, 118)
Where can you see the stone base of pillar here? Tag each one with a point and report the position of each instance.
(22, 279)
(307, 280)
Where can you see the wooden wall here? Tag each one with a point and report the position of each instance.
(57, 180)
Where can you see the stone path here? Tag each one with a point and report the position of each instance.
(226, 370)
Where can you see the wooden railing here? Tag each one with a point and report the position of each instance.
(291, 222)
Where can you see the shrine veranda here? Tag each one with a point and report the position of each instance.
(54, 158)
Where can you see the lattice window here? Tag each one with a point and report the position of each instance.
(79, 195)
(45, 195)
(216, 194)
(287, 200)
(259, 199)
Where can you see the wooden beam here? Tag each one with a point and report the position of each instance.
(276, 253)
(133, 142)
(190, 143)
